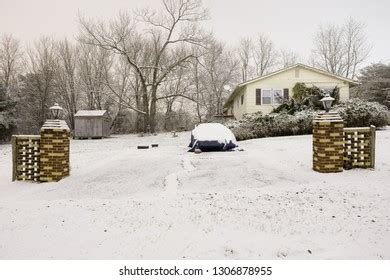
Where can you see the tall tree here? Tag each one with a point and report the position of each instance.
(356, 46)
(94, 64)
(288, 57)
(165, 43)
(67, 78)
(123, 89)
(375, 84)
(264, 54)
(38, 85)
(10, 59)
(245, 49)
(220, 69)
(341, 49)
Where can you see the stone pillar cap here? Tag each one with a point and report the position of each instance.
(328, 117)
(55, 124)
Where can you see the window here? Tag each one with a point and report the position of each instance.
(266, 98)
(242, 99)
(274, 96)
(258, 96)
(278, 96)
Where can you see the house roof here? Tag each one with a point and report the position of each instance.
(242, 85)
(90, 113)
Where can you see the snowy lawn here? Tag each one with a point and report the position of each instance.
(165, 203)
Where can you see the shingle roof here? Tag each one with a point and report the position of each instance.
(90, 113)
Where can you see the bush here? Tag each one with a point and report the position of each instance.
(354, 112)
(311, 96)
(358, 113)
(276, 124)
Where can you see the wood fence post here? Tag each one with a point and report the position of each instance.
(14, 157)
(372, 140)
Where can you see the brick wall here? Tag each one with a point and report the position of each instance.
(26, 157)
(54, 160)
(328, 143)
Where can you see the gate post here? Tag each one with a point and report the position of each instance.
(14, 157)
(54, 162)
(372, 145)
(328, 140)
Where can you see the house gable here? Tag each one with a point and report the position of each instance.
(285, 80)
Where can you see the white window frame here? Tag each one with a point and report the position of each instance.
(272, 95)
(262, 95)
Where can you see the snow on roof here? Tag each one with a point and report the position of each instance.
(90, 113)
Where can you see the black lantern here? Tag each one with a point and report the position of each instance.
(327, 102)
(56, 111)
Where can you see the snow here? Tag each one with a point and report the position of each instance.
(165, 203)
(213, 132)
(90, 113)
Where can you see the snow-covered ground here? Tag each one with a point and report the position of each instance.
(164, 203)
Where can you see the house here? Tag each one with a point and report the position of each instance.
(91, 124)
(267, 92)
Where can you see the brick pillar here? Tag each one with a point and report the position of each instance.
(54, 148)
(328, 142)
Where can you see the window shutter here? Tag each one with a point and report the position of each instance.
(258, 96)
(286, 94)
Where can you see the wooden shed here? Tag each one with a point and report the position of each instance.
(91, 124)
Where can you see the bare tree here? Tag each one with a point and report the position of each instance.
(220, 68)
(124, 89)
(94, 63)
(173, 88)
(10, 58)
(341, 49)
(39, 82)
(356, 46)
(198, 90)
(288, 58)
(264, 54)
(329, 49)
(166, 37)
(245, 49)
(67, 78)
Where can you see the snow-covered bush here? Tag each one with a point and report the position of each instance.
(285, 122)
(243, 132)
(276, 124)
(354, 112)
(357, 113)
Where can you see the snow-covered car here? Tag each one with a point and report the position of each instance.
(212, 137)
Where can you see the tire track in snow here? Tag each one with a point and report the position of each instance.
(171, 181)
(171, 184)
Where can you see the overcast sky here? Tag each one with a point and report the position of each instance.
(290, 23)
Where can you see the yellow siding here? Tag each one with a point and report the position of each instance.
(282, 80)
(240, 109)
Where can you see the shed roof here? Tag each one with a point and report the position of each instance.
(90, 113)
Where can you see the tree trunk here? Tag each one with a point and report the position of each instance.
(145, 104)
(153, 109)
